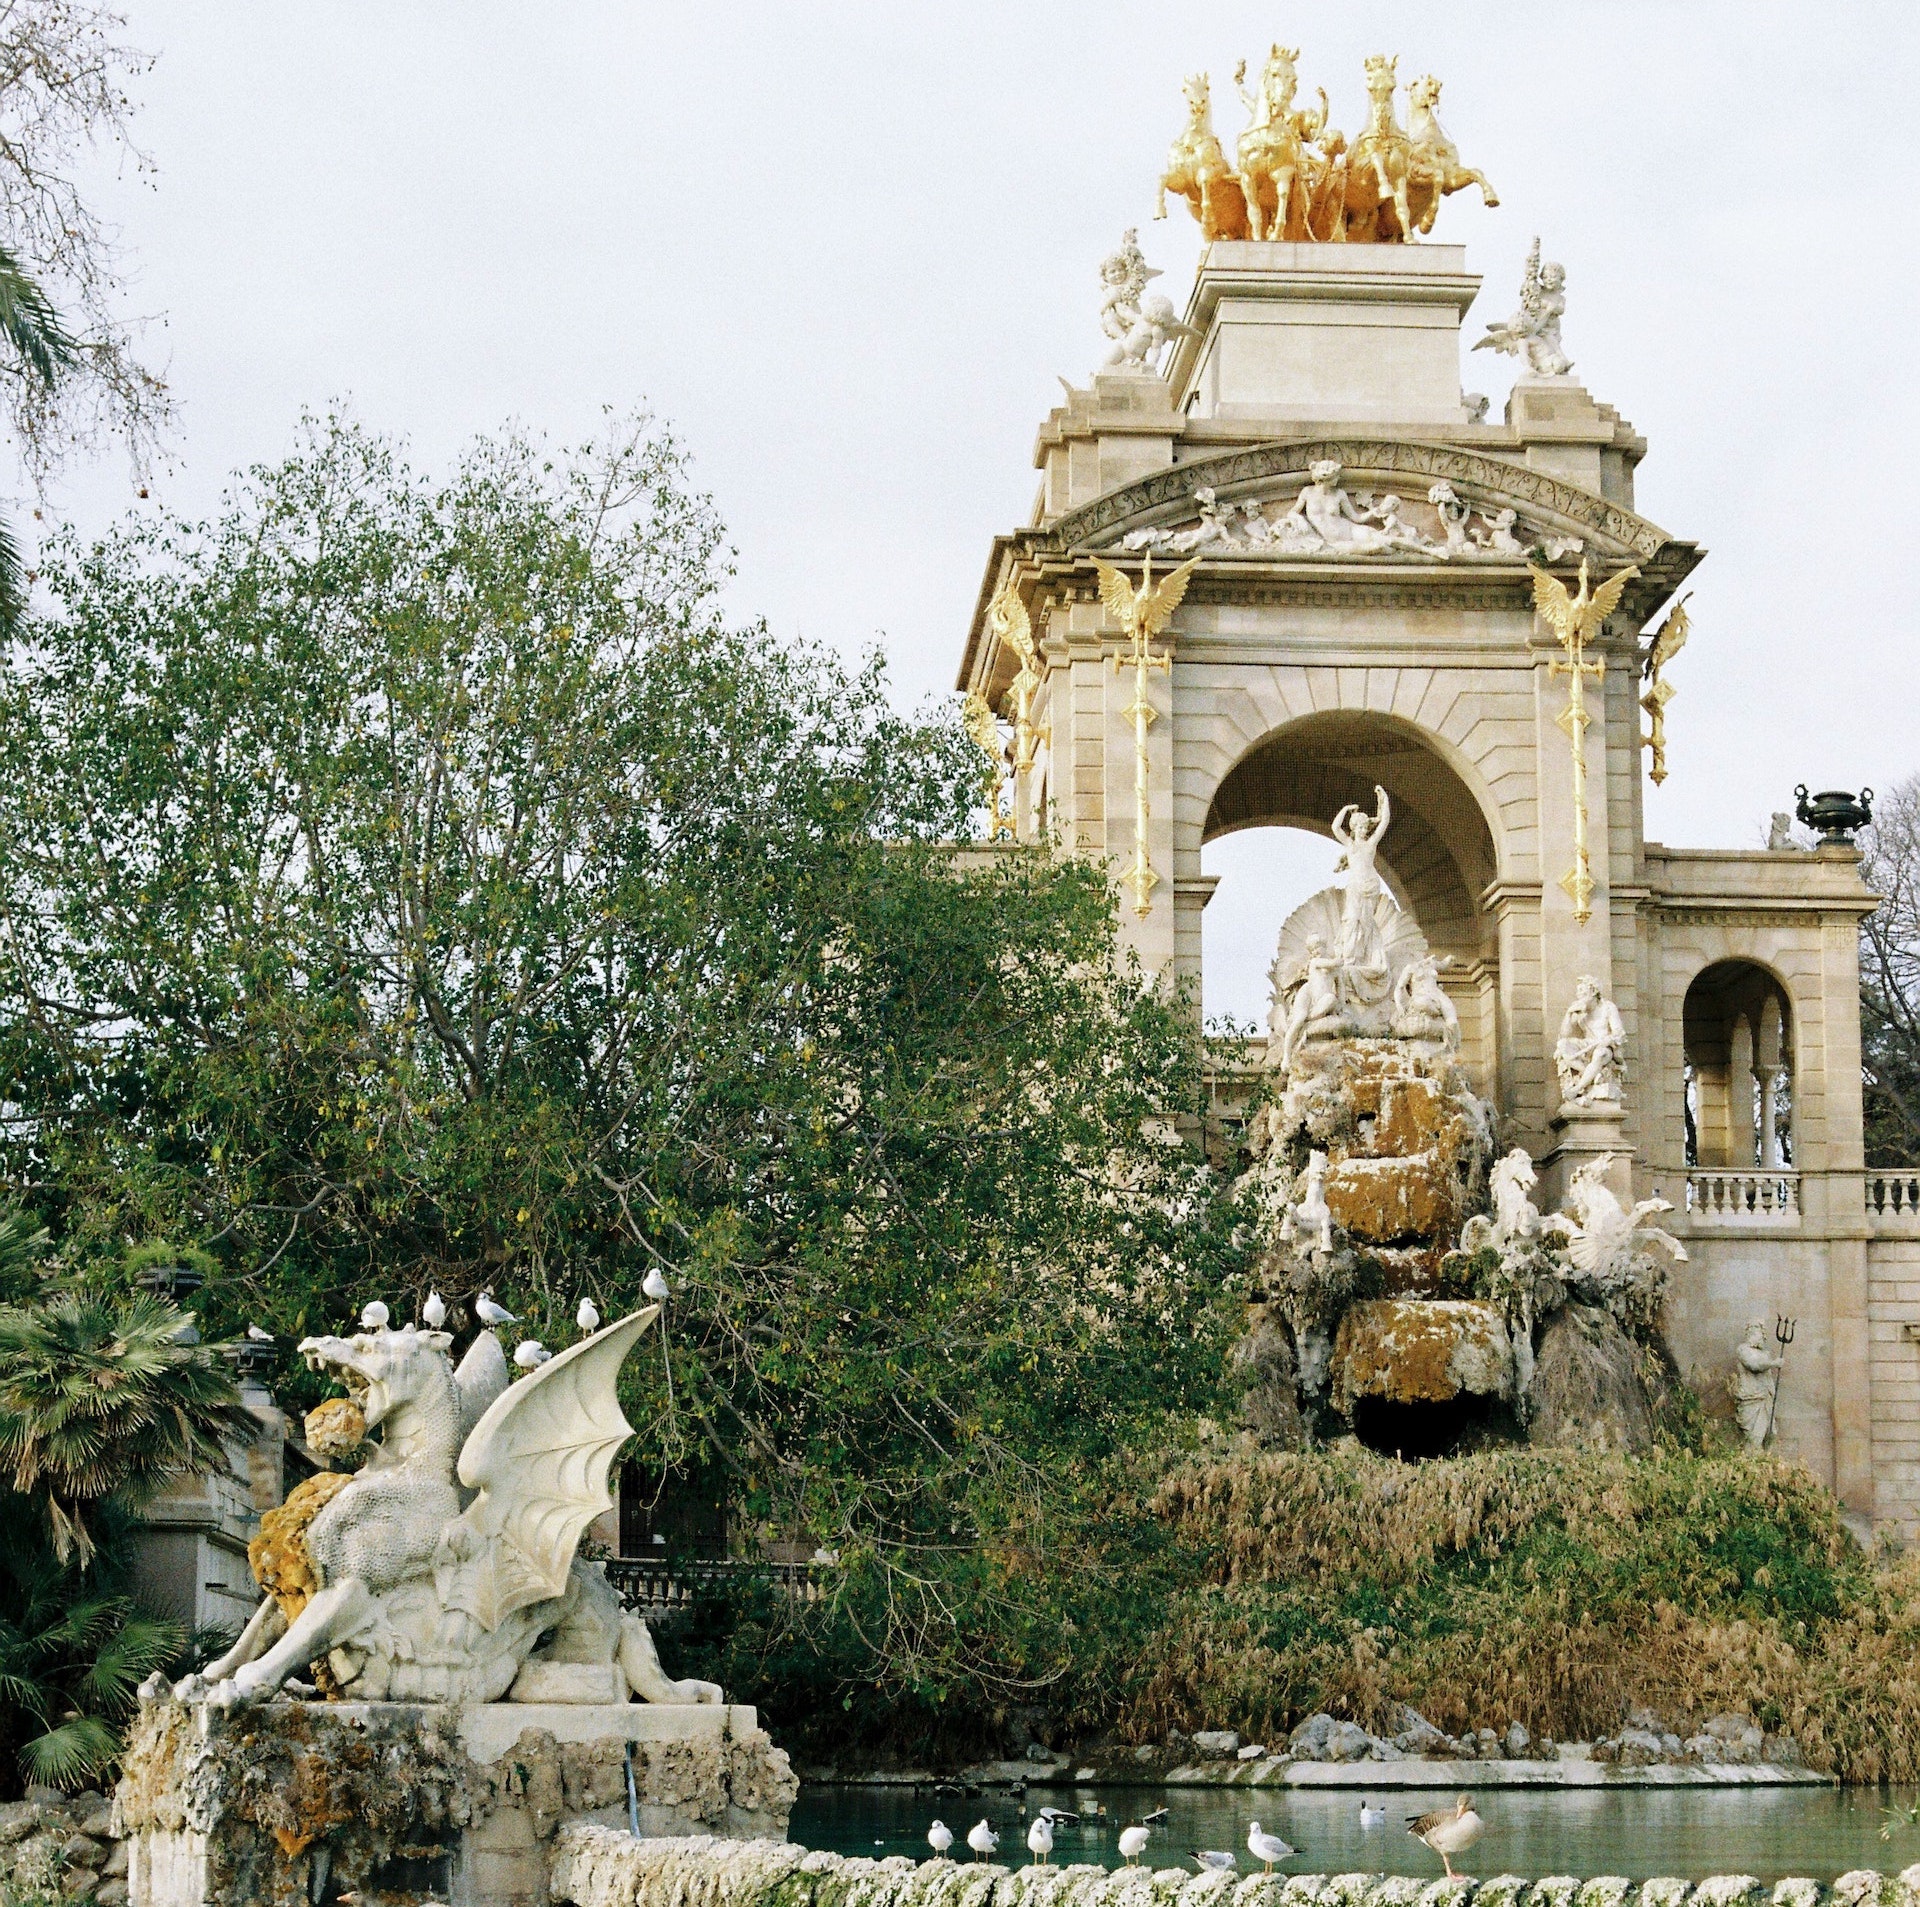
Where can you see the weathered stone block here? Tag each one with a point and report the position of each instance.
(1421, 1351)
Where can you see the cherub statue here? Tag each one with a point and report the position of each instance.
(1153, 326)
(1533, 332)
(1591, 1053)
(1123, 277)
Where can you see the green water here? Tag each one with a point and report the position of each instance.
(1638, 1832)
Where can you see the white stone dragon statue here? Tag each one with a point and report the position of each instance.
(439, 1570)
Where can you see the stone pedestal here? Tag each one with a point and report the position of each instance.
(1580, 1135)
(294, 1804)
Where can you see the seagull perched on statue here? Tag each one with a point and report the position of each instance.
(1448, 1831)
(374, 1316)
(1267, 1847)
(488, 1312)
(653, 1285)
(1040, 1840)
(940, 1838)
(588, 1316)
(982, 1840)
(434, 1311)
(1133, 1843)
(530, 1354)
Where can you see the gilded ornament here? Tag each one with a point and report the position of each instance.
(1142, 613)
(983, 727)
(1574, 619)
(1294, 177)
(1669, 639)
(1008, 619)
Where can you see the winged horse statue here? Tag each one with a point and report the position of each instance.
(438, 1569)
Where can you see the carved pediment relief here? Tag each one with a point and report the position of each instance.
(1403, 502)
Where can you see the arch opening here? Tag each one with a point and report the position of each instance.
(1737, 1028)
(1438, 855)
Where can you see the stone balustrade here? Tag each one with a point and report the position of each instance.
(1893, 1200)
(600, 1867)
(1770, 1197)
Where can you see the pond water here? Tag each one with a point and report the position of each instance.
(1638, 1832)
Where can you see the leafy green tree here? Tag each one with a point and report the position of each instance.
(414, 886)
(100, 1401)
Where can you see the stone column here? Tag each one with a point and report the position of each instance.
(1740, 1146)
(1767, 1061)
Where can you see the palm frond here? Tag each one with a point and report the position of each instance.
(29, 323)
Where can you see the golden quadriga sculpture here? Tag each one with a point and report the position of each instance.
(1294, 177)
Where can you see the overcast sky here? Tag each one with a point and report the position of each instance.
(845, 250)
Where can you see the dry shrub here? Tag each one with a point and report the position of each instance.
(1555, 1588)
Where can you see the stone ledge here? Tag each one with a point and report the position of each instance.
(1415, 1771)
(597, 1867)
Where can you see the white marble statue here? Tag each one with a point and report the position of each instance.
(1313, 1007)
(1532, 334)
(1124, 275)
(1515, 1219)
(1364, 974)
(1604, 1236)
(449, 1557)
(1497, 538)
(1325, 518)
(1421, 1009)
(1453, 518)
(1756, 1377)
(1591, 1053)
(1780, 835)
(1311, 1219)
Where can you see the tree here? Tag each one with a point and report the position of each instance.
(409, 887)
(100, 1401)
(1890, 978)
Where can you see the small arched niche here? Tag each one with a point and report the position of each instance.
(1437, 857)
(1738, 1029)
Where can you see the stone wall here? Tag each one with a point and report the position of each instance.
(60, 1847)
(273, 1806)
(593, 1867)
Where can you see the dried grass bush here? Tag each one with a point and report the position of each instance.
(1554, 1588)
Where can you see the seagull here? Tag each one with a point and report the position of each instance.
(939, 1836)
(982, 1840)
(1213, 1860)
(653, 1285)
(1133, 1843)
(374, 1316)
(530, 1354)
(1040, 1839)
(1448, 1831)
(488, 1312)
(1372, 1817)
(1267, 1847)
(588, 1316)
(1154, 1819)
(259, 1336)
(434, 1311)
(1059, 1817)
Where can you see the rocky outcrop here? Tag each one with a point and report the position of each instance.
(1589, 1388)
(60, 1847)
(1421, 1351)
(593, 1867)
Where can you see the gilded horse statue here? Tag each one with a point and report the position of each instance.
(1380, 166)
(1198, 170)
(1279, 179)
(1436, 159)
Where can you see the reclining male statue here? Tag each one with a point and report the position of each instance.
(407, 1586)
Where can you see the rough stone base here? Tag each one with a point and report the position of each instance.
(294, 1804)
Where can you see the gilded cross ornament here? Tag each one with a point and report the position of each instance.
(1668, 640)
(1574, 619)
(1142, 613)
(984, 728)
(1008, 619)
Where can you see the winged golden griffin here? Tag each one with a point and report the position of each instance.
(439, 1568)
(1577, 618)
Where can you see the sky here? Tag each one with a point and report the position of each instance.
(846, 251)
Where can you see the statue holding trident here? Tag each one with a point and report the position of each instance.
(1364, 976)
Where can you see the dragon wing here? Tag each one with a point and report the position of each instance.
(539, 1459)
(981, 724)
(1116, 593)
(1159, 607)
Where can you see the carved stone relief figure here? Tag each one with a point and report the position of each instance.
(1421, 1009)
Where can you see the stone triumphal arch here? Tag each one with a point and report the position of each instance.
(1359, 610)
